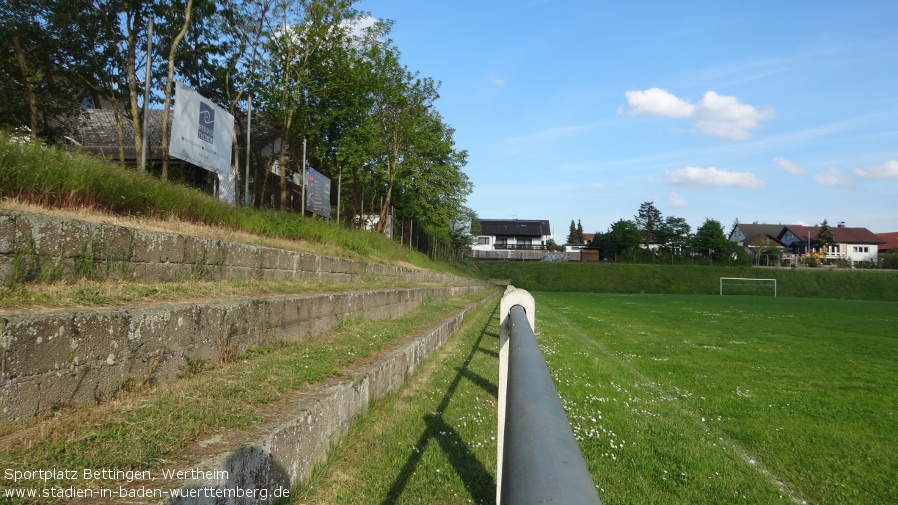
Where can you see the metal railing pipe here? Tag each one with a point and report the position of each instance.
(540, 461)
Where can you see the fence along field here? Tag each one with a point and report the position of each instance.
(710, 399)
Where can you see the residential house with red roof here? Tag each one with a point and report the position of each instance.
(891, 242)
(852, 244)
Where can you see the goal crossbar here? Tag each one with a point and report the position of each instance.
(745, 281)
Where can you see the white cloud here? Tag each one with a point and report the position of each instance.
(360, 25)
(882, 171)
(497, 81)
(831, 177)
(657, 101)
(788, 166)
(695, 177)
(720, 115)
(595, 186)
(677, 201)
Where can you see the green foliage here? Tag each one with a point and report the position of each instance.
(890, 261)
(674, 234)
(624, 237)
(710, 240)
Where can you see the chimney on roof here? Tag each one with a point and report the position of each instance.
(841, 224)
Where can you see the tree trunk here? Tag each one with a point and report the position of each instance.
(29, 87)
(392, 169)
(168, 85)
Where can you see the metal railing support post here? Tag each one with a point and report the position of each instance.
(539, 460)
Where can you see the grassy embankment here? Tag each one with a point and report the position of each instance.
(52, 177)
(685, 279)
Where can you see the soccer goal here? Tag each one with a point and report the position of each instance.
(747, 286)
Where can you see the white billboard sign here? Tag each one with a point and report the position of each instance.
(201, 132)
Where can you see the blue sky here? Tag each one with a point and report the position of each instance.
(762, 111)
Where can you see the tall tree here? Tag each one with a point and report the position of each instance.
(625, 235)
(710, 239)
(169, 82)
(38, 92)
(648, 219)
(825, 235)
(580, 238)
(572, 233)
(304, 25)
(673, 233)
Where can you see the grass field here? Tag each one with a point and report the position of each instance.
(709, 399)
(674, 399)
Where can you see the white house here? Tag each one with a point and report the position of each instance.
(513, 234)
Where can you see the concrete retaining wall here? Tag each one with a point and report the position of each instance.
(58, 358)
(36, 246)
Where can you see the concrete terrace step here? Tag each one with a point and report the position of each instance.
(283, 452)
(65, 357)
(39, 246)
(53, 358)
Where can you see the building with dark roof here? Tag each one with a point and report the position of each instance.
(757, 237)
(513, 234)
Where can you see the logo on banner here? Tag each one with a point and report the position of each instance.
(206, 129)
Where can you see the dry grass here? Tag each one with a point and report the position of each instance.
(175, 225)
(86, 293)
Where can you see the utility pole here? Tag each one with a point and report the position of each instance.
(146, 96)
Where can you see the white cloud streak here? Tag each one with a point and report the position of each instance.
(720, 115)
(677, 201)
(788, 166)
(704, 178)
(885, 170)
(832, 177)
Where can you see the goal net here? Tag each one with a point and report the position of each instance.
(747, 286)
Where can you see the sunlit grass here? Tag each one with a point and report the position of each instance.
(433, 442)
(709, 399)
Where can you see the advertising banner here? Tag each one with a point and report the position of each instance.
(318, 199)
(201, 132)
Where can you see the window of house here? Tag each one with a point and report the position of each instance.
(483, 240)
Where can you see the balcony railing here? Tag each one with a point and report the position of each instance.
(521, 247)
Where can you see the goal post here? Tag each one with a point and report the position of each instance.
(747, 286)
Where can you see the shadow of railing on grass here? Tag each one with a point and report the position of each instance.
(476, 477)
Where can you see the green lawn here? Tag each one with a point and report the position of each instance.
(709, 399)
(674, 399)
